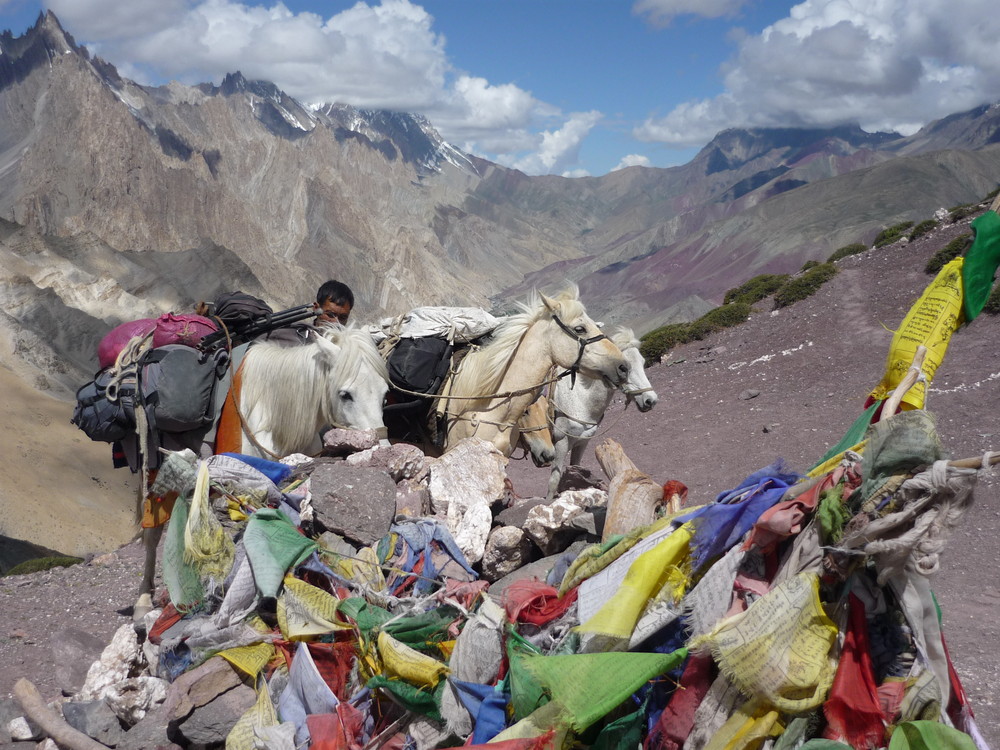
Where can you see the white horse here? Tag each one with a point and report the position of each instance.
(496, 384)
(288, 394)
(578, 408)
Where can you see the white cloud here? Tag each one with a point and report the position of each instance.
(662, 12)
(885, 64)
(632, 160)
(384, 56)
(558, 149)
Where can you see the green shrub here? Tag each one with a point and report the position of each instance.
(718, 318)
(992, 305)
(956, 213)
(656, 343)
(809, 264)
(756, 288)
(846, 250)
(38, 564)
(922, 228)
(952, 250)
(805, 285)
(890, 234)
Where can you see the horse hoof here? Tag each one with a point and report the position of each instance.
(142, 607)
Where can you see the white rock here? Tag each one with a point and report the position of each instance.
(115, 663)
(464, 484)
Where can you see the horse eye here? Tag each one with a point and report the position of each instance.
(346, 396)
(580, 329)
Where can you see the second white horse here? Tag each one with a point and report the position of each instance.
(578, 408)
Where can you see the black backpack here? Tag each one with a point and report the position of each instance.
(107, 417)
(238, 309)
(419, 364)
(173, 384)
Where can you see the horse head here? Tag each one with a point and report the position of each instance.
(636, 387)
(357, 381)
(578, 344)
(535, 434)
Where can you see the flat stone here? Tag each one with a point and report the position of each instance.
(357, 502)
(73, 652)
(95, 719)
(341, 442)
(210, 724)
(580, 478)
(401, 461)
(413, 499)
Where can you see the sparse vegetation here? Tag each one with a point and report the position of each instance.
(922, 228)
(809, 264)
(656, 343)
(890, 234)
(805, 285)
(991, 195)
(992, 305)
(847, 250)
(725, 316)
(38, 564)
(957, 213)
(950, 251)
(756, 289)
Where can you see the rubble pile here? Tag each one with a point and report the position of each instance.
(375, 597)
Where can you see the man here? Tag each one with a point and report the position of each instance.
(334, 302)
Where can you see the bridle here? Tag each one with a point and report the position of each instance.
(575, 367)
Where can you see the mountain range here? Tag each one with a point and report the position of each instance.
(120, 201)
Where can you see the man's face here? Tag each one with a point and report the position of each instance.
(332, 312)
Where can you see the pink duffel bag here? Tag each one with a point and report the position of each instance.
(167, 329)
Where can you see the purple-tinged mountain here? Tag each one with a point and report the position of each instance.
(123, 201)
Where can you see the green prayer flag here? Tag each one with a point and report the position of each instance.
(855, 433)
(181, 577)
(418, 700)
(526, 692)
(273, 546)
(981, 263)
(929, 735)
(588, 686)
(627, 731)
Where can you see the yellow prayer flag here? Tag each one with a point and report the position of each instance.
(408, 664)
(930, 323)
(646, 577)
(305, 610)
(779, 648)
(250, 659)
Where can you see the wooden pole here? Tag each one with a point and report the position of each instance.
(633, 498)
(54, 726)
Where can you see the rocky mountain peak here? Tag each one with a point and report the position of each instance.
(39, 44)
(733, 148)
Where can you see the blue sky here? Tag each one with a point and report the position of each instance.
(570, 87)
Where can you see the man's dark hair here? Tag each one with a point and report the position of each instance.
(337, 292)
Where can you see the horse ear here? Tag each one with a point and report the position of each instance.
(551, 304)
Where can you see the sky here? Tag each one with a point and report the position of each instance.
(569, 87)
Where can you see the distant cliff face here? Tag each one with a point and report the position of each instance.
(122, 201)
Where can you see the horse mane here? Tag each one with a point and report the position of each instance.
(294, 381)
(624, 338)
(483, 369)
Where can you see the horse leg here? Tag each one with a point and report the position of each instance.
(561, 446)
(144, 604)
(576, 452)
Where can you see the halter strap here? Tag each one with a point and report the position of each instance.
(575, 368)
